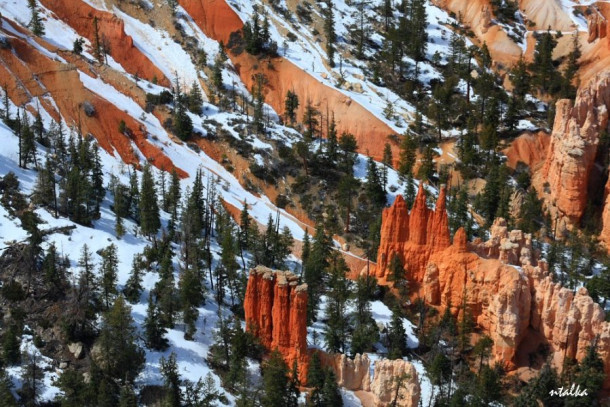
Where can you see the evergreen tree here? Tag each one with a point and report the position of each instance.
(7, 398)
(133, 287)
(108, 272)
(277, 385)
(397, 336)
(77, 46)
(35, 24)
(374, 184)
(329, 32)
(331, 396)
(153, 328)
(543, 67)
(387, 162)
(54, 273)
(314, 270)
(310, 120)
(195, 99)
(123, 357)
(31, 377)
(11, 341)
(74, 390)
(291, 104)
(149, 209)
(590, 375)
(397, 276)
(315, 379)
(336, 332)
(408, 149)
(172, 381)
(191, 297)
(27, 142)
(128, 397)
(568, 89)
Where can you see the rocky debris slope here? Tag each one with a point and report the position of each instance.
(276, 312)
(507, 289)
(354, 375)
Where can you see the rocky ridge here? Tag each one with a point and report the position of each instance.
(502, 282)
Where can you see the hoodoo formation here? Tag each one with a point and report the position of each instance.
(569, 175)
(505, 286)
(275, 309)
(413, 237)
(388, 377)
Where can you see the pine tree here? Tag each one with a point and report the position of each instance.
(336, 332)
(277, 386)
(128, 397)
(133, 287)
(35, 24)
(387, 164)
(195, 99)
(31, 377)
(97, 46)
(191, 297)
(108, 271)
(7, 398)
(123, 357)
(374, 184)
(153, 329)
(291, 104)
(310, 120)
(172, 381)
(543, 68)
(314, 270)
(44, 192)
(11, 341)
(397, 336)
(77, 46)
(149, 209)
(568, 89)
(54, 273)
(330, 395)
(315, 379)
(27, 142)
(329, 31)
(408, 149)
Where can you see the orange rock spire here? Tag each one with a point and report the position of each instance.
(276, 312)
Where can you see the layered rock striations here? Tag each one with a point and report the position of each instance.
(504, 285)
(276, 312)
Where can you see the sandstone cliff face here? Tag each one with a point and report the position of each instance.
(62, 94)
(276, 312)
(566, 174)
(79, 15)
(529, 148)
(505, 286)
(354, 375)
(217, 20)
